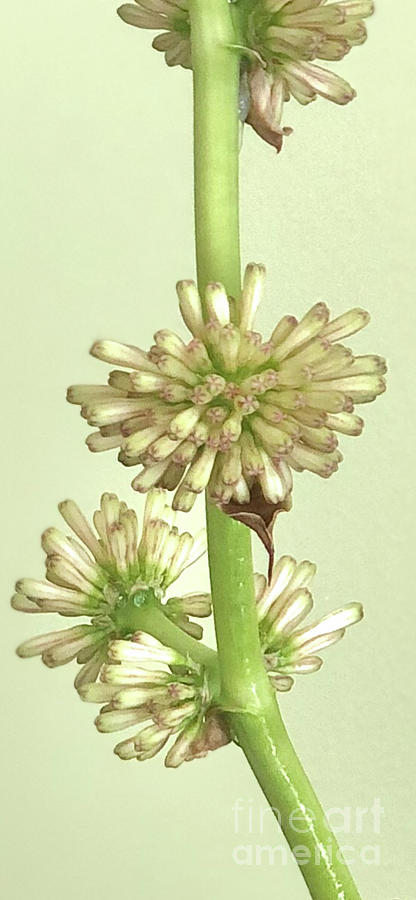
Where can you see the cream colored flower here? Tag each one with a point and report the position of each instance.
(281, 39)
(152, 685)
(282, 605)
(104, 575)
(228, 409)
(173, 17)
(286, 37)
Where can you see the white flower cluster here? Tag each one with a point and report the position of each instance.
(103, 574)
(153, 685)
(282, 605)
(229, 409)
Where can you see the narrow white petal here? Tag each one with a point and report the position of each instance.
(337, 620)
(282, 573)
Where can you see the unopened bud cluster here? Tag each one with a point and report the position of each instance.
(149, 684)
(228, 409)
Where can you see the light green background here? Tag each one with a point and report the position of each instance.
(97, 216)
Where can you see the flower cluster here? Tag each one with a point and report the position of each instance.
(107, 576)
(173, 17)
(228, 409)
(286, 37)
(281, 40)
(282, 606)
(148, 683)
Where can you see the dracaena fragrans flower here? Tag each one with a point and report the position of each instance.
(281, 40)
(153, 685)
(228, 409)
(286, 37)
(104, 575)
(172, 16)
(289, 647)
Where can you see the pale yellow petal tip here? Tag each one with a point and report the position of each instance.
(359, 612)
(66, 507)
(83, 691)
(96, 349)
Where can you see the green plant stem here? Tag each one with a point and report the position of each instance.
(252, 709)
(153, 620)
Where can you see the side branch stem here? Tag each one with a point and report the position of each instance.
(153, 620)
